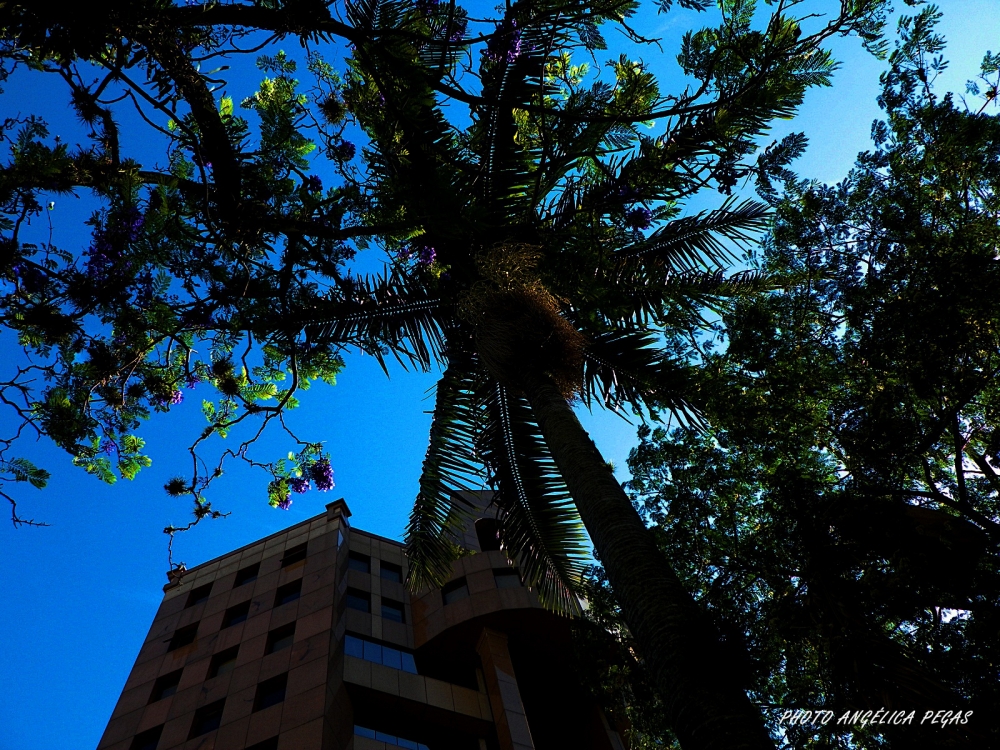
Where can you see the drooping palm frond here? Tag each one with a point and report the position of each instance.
(627, 367)
(693, 242)
(449, 466)
(388, 312)
(540, 526)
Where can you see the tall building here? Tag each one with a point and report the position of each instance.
(309, 640)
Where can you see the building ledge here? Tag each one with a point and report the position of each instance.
(417, 689)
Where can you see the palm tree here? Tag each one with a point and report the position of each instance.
(539, 253)
(532, 275)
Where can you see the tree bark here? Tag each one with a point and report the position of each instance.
(706, 706)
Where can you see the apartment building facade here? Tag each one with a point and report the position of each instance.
(309, 640)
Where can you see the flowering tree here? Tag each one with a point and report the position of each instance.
(535, 249)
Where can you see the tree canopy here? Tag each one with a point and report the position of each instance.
(534, 234)
(839, 516)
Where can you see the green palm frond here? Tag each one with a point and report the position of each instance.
(448, 467)
(388, 312)
(693, 242)
(627, 367)
(540, 526)
(643, 296)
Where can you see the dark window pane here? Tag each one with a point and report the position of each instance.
(207, 719)
(454, 591)
(270, 744)
(390, 572)
(288, 593)
(293, 555)
(147, 740)
(270, 692)
(488, 533)
(391, 658)
(361, 563)
(280, 638)
(392, 610)
(183, 636)
(236, 614)
(373, 652)
(409, 665)
(198, 595)
(386, 738)
(354, 646)
(247, 575)
(506, 578)
(358, 600)
(165, 686)
(408, 744)
(223, 662)
(364, 732)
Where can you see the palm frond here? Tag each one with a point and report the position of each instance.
(387, 312)
(693, 242)
(627, 367)
(540, 526)
(449, 467)
(640, 295)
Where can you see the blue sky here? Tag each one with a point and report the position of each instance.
(78, 596)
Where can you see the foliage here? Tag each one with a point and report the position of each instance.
(230, 267)
(839, 517)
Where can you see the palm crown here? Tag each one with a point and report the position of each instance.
(546, 235)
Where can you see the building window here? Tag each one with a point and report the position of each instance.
(222, 662)
(199, 595)
(506, 578)
(454, 591)
(236, 614)
(207, 719)
(488, 534)
(269, 744)
(357, 561)
(270, 692)
(359, 600)
(280, 638)
(147, 740)
(390, 572)
(389, 739)
(165, 686)
(394, 658)
(288, 593)
(294, 555)
(183, 636)
(392, 610)
(247, 575)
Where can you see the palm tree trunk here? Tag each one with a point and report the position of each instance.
(706, 706)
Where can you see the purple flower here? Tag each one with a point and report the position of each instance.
(426, 256)
(639, 218)
(31, 278)
(285, 504)
(192, 380)
(108, 446)
(299, 484)
(322, 474)
(426, 6)
(458, 32)
(313, 184)
(505, 43)
(176, 397)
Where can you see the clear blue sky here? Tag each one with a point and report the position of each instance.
(78, 596)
